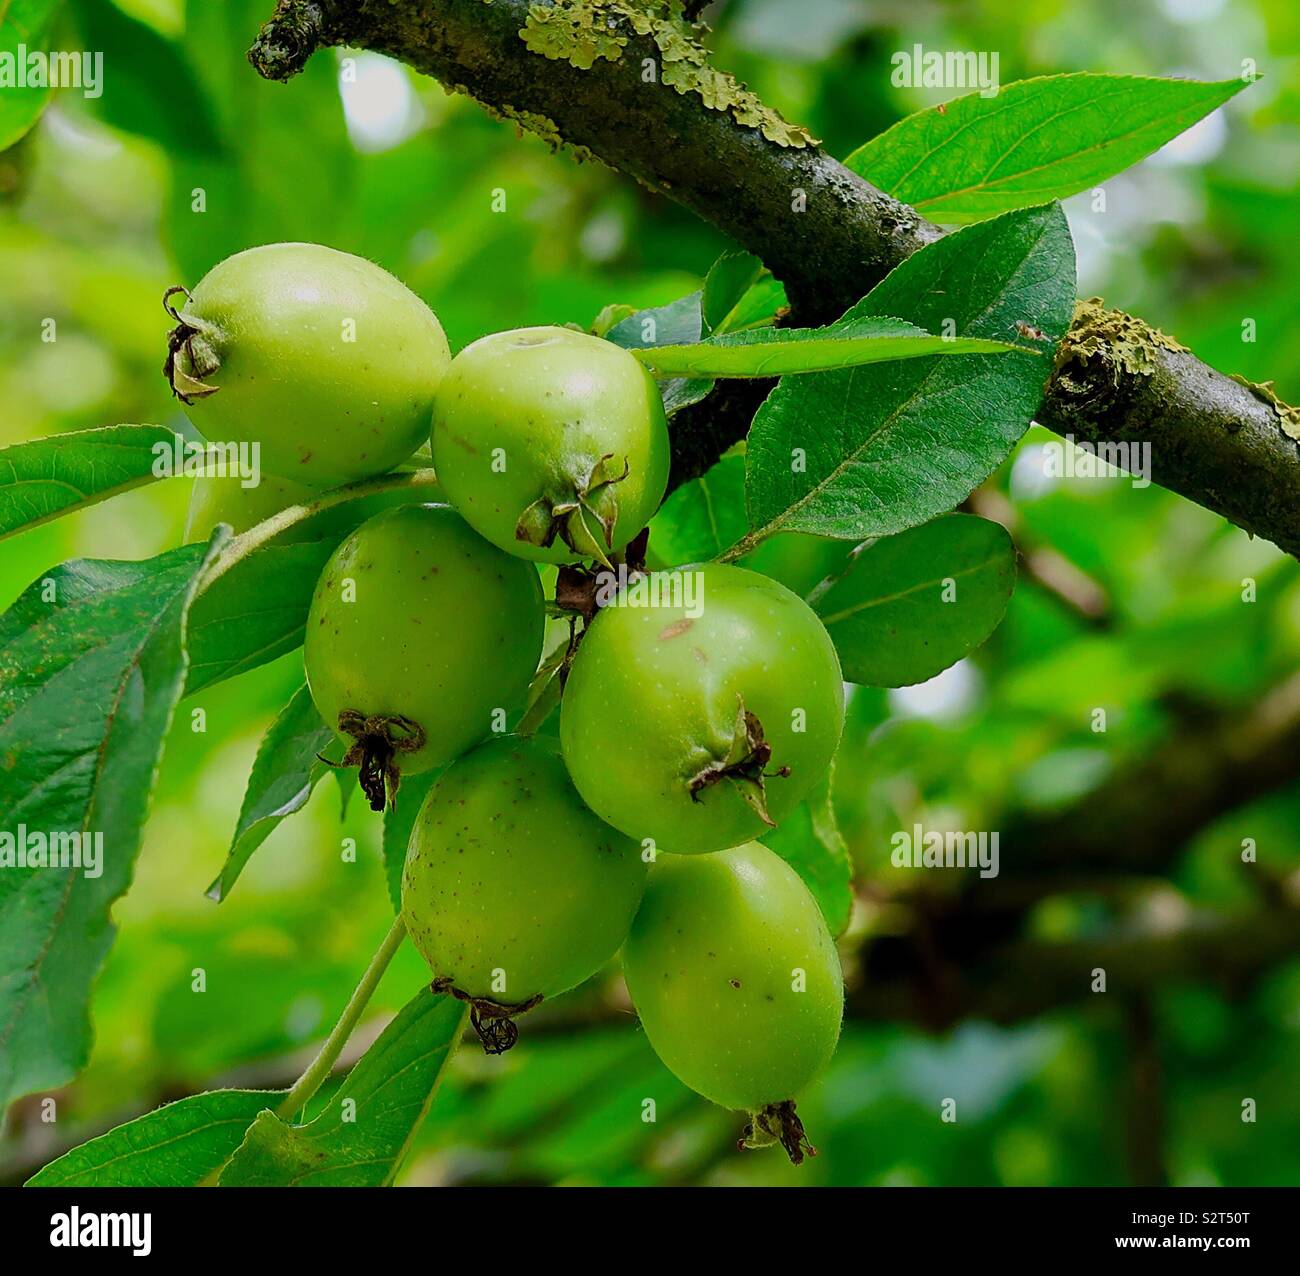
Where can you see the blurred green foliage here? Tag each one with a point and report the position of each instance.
(99, 216)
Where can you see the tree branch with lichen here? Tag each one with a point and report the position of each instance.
(629, 83)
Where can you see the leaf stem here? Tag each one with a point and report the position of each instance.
(751, 540)
(312, 1079)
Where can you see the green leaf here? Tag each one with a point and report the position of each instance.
(284, 773)
(399, 820)
(678, 323)
(1036, 141)
(897, 443)
(544, 690)
(809, 840)
(775, 352)
(701, 518)
(759, 307)
(727, 284)
(911, 605)
(799, 561)
(91, 667)
(28, 23)
(552, 1084)
(47, 478)
(255, 612)
(389, 1092)
(155, 92)
(610, 315)
(349, 784)
(177, 1145)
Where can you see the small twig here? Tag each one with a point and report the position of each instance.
(296, 30)
(240, 547)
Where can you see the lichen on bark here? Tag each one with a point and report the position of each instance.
(576, 31)
(1127, 343)
(528, 121)
(582, 32)
(1288, 416)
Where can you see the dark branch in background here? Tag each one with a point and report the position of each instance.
(1142, 817)
(1047, 567)
(961, 955)
(1214, 440)
(1129, 829)
(1025, 978)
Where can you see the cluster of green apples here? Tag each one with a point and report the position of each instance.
(688, 726)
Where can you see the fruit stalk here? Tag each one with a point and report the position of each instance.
(323, 1063)
(240, 547)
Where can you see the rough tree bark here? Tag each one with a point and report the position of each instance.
(712, 147)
